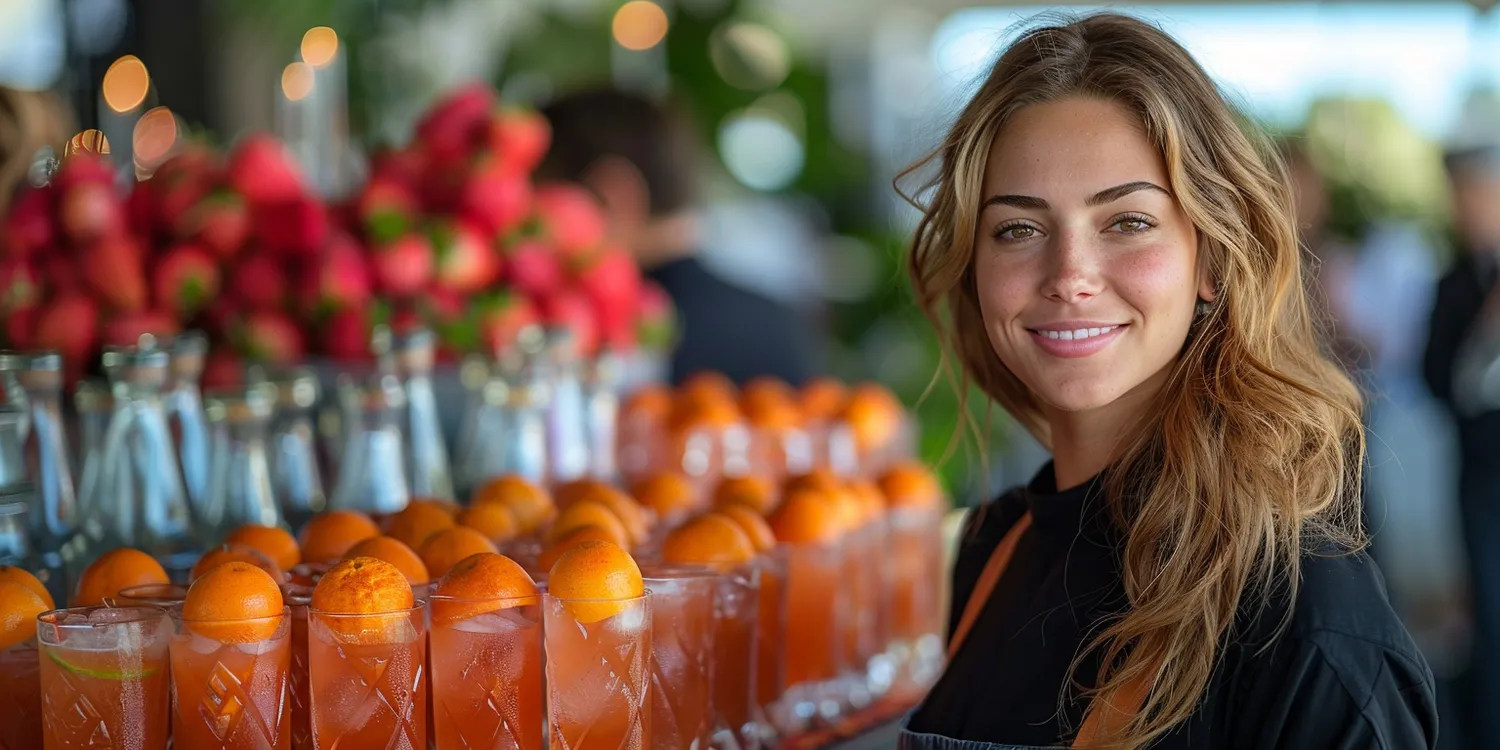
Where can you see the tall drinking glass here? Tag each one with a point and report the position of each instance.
(682, 656)
(104, 675)
(737, 602)
(184, 407)
(227, 694)
(299, 693)
(167, 596)
(487, 673)
(21, 695)
(367, 679)
(817, 608)
(598, 673)
(916, 566)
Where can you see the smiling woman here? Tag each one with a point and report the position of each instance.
(1114, 260)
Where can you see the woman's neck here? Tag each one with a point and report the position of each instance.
(1084, 443)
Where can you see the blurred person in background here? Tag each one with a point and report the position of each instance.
(29, 121)
(1461, 362)
(640, 159)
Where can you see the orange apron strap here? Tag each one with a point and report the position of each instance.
(993, 569)
(1116, 712)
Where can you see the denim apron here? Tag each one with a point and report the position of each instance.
(1122, 707)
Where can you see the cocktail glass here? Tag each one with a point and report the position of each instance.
(866, 671)
(916, 562)
(21, 695)
(167, 596)
(817, 599)
(682, 655)
(104, 677)
(367, 678)
(299, 693)
(598, 673)
(770, 642)
(230, 695)
(736, 604)
(486, 657)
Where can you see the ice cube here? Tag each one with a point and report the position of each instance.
(629, 623)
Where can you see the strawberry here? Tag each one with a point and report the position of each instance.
(259, 282)
(115, 268)
(403, 267)
(337, 279)
(223, 369)
(401, 165)
(570, 309)
(612, 282)
(534, 269)
(70, 325)
(500, 319)
(20, 327)
(346, 335)
(60, 274)
(141, 210)
(260, 169)
(451, 125)
(90, 210)
(20, 284)
(465, 262)
(570, 218)
(219, 221)
(127, 329)
(497, 201)
(519, 138)
(296, 226)
(385, 209)
(186, 280)
(84, 169)
(28, 228)
(656, 317)
(270, 337)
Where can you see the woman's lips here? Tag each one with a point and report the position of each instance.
(1070, 342)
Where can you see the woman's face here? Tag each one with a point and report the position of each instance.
(1085, 264)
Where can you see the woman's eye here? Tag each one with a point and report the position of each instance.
(1016, 232)
(1132, 225)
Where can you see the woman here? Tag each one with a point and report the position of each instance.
(1114, 259)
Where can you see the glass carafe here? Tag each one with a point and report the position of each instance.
(567, 421)
(184, 407)
(601, 394)
(15, 547)
(135, 495)
(483, 425)
(12, 455)
(414, 353)
(372, 472)
(296, 477)
(11, 363)
(54, 510)
(93, 405)
(239, 484)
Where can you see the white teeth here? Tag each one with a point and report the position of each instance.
(1081, 333)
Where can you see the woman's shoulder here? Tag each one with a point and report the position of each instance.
(1339, 647)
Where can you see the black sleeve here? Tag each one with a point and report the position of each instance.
(1335, 692)
(1444, 335)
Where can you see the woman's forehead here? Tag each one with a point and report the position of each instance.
(1071, 149)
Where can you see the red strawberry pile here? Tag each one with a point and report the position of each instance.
(450, 232)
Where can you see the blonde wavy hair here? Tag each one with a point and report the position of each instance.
(1252, 454)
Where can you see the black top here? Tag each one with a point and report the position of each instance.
(732, 330)
(1460, 297)
(1343, 674)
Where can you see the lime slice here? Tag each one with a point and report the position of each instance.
(101, 674)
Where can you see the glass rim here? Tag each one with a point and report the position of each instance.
(144, 613)
(146, 591)
(629, 600)
(682, 571)
(420, 605)
(286, 611)
(446, 598)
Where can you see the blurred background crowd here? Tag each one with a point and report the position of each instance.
(746, 149)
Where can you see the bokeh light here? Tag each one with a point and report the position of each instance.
(297, 81)
(155, 135)
(760, 150)
(319, 46)
(126, 84)
(90, 141)
(749, 56)
(640, 25)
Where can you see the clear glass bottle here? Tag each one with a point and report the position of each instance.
(239, 476)
(135, 496)
(93, 404)
(12, 453)
(54, 510)
(483, 425)
(524, 448)
(11, 363)
(601, 413)
(567, 421)
(296, 476)
(184, 407)
(372, 469)
(414, 354)
(15, 546)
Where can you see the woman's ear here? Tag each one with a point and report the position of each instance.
(1207, 290)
